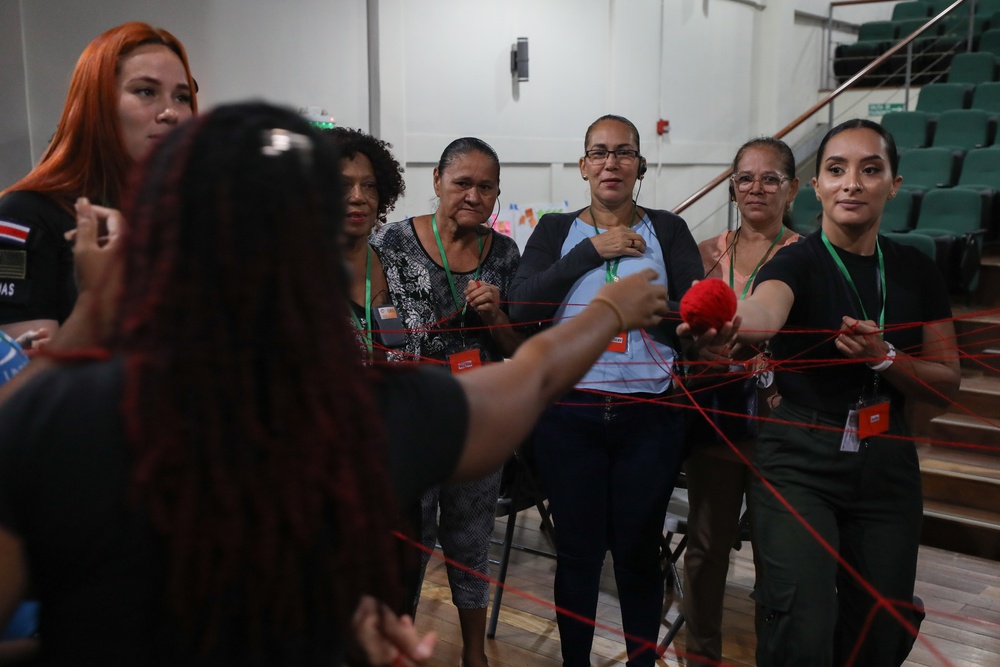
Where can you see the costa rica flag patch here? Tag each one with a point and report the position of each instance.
(13, 232)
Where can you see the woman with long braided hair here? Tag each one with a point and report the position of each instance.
(215, 480)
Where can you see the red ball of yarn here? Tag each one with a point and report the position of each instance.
(708, 305)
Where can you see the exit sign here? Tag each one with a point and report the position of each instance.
(882, 108)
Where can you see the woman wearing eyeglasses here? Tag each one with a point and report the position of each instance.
(608, 453)
(763, 185)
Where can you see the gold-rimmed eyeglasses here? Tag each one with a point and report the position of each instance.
(768, 182)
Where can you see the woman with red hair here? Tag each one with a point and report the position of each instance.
(220, 486)
(130, 86)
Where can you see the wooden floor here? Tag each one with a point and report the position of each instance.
(961, 593)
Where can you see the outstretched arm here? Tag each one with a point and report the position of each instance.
(758, 318)
(506, 399)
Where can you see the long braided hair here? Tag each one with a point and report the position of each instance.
(258, 451)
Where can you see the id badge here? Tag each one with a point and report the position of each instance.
(389, 325)
(873, 417)
(866, 418)
(465, 360)
(851, 442)
(619, 343)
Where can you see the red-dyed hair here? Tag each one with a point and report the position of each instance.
(259, 452)
(87, 156)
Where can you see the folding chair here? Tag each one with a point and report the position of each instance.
(519, 490)
(676, 525)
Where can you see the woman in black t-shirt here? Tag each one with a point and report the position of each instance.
(859, 325)
(219, 487)
(143, 73)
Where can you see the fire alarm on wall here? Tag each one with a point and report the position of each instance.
(662, 126)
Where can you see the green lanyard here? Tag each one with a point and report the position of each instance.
(732, 263)
(850, 281)
(447, 269)
(368, 308)
(611, 268)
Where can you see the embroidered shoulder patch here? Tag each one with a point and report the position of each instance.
(13, 232)
(13, 263)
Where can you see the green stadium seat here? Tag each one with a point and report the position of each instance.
(905, 27)
(910, 10)
(987, 8)
(980, 168)
(928, 168)
(987, 97)
(990, 42)
(964, 129)
(898, 214)
(981, 172)
(875, 31)
(874, 37)
(938, 6)
(910, 129)
(806, 210)
(972, 68)
(953, 218)
(937, 97)
(852, 58)
(924, 244)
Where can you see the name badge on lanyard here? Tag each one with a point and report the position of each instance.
(619, 343)
(464, 361)
(866, 418)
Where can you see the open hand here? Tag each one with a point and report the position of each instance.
(387, 639)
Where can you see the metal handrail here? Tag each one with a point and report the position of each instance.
(718, 180)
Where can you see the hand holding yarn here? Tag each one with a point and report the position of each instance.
(709, 304)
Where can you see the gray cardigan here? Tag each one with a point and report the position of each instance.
(544, 277)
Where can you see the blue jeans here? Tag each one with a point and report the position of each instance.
(24, 623)
(608, 465)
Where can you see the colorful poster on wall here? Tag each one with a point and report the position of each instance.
(518, 220)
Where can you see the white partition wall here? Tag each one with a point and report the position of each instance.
(298, 52)
(720, 71)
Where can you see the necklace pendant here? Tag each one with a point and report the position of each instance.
(617, 278)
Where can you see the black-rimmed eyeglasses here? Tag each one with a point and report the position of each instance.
(623, 155)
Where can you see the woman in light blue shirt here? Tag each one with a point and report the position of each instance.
(608, 453)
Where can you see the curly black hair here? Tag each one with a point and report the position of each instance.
(388, 173)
